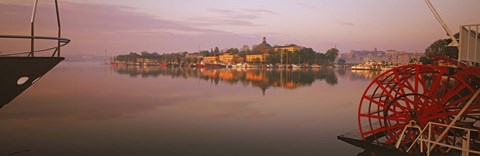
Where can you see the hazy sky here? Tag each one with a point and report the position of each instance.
(121, 26)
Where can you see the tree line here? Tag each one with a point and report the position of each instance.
(440, 47)
(302, 56)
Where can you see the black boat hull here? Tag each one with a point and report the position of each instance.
(19, 73)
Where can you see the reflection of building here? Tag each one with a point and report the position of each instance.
(290, 85)
(254, 76)
(226, 75)
(210, 59)
(364, 74)
(252, 58)
(289, 48)
(210, 73)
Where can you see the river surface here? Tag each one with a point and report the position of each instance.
(87, 108)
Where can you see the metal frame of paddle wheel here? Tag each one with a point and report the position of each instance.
(427, 108)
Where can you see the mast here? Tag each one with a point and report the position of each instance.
(281, 57)
(105, 57)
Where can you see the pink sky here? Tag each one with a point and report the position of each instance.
(122, 26)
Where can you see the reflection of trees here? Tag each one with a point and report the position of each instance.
(261, 78)
(342, 71)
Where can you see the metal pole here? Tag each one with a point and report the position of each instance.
(59, 28)
(429, 138)
(440, 20)
(468, 42)
(460, 48)
(401, 137)
(466, 144)
(32, 29)
(476, 43)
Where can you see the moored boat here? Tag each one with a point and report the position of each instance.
(361, 67)
(294, 66)
(20, 70)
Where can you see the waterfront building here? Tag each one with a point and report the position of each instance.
(397, 57)
(404, 58)
(288, 48)
(229, 58)
(192, 55)
(210, 59)
(139, 60)
(251, 58)
(226, 58)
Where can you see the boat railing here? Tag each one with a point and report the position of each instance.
(451, 137)
(469, 47)
(462, 140)
(56, 49)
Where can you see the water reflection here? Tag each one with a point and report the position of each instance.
(260, 78)
(87, 107)
(365, 74)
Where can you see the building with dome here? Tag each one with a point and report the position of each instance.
(259, 52)
(263, 47)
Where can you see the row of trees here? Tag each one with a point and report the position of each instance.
(305, 55)
(440, 47)
(132, 56)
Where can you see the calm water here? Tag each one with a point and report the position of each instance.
(93, 109)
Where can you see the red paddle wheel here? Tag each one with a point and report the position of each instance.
(430, 108)
(415, 95)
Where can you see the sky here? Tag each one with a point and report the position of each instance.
(114, 27)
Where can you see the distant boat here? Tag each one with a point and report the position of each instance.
(251, 66)
(222, 65)
(306, 65)
(385, 68)
(369, 65)
(241, 65)
(361, 67)
(281, 66)
(294, 66)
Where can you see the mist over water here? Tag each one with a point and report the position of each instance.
(87, 108)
